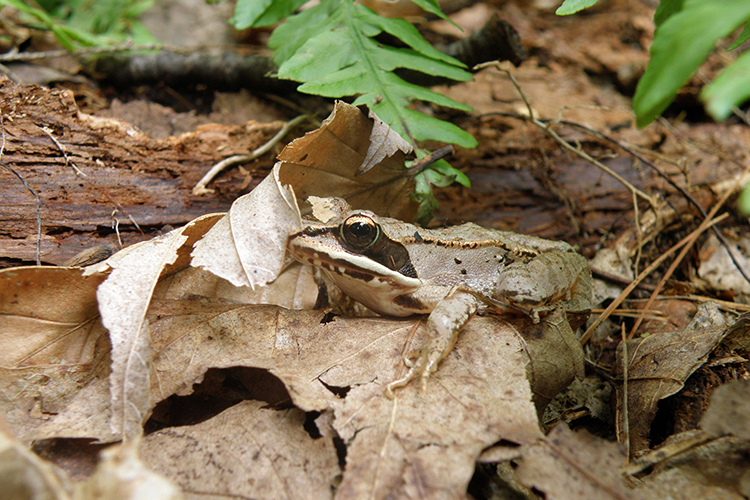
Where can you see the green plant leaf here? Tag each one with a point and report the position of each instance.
(330, 49)
(90, 22)
(45, 19)
(432, 7)
(730, 89)
(286, 39)
(446, 169)
(426, 199)
(741, 38)
(572, 6)
(743, 201)
(138, 8)
(665, 9)
(407, 33)
(344, 60)
(256, 13)
(680, 45)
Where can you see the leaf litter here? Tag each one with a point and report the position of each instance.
(163, 338)
(709, 465)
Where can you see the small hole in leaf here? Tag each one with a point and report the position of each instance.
(79, 457)
(310, 426)
(340, 450)
(340, 392)
(220, 389)
(327, 318)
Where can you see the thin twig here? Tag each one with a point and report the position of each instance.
(116, 226)
(422, 163)
(200, 187)
(732, 306)
(38, 213)
(577, 151)
(703, 226)
(47, 131)
(632, 313)
(615, 303)
(625, 419)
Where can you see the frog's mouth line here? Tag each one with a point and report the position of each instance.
(355, 266)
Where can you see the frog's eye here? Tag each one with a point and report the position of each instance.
(360, 231)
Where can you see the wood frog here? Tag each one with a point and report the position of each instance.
(398, 269)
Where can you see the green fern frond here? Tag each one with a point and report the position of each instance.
(331, 50)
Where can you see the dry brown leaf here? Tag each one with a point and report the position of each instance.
(555, 355)
(729, 410)
(658, 367)
(685, 483)
(738, 336)
(57, 304)
(567, 465)
(479, 395)
(384, 143)
(694, 464)
(295, 288)
(54, 353)
(719, 268)
(247, 451)
(712, 463)
(325, 162)
(426, 445)
(23, 475)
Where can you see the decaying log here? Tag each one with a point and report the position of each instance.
(98, 176)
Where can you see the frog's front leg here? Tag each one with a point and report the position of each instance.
(443, 326)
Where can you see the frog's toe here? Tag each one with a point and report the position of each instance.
(418, 365)
(423, 381)
(411, 359)
(397, 384)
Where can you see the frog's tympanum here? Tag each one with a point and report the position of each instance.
(398, 269)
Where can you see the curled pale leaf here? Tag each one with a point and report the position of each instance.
(123, 300)
(247, 247)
